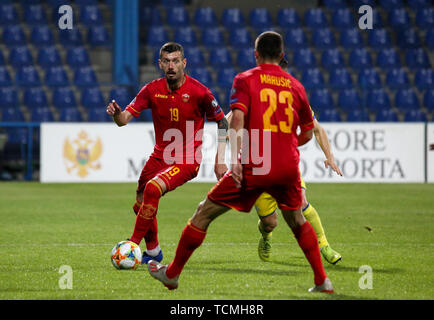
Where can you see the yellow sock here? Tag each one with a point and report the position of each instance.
(312, 216)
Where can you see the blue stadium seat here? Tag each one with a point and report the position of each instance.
(43, 114)
(20, 56)
(92, 97)
(391, 4)
(225, 77)
(357, 115)
(424, 79)
(295, 39)
(12, 114)
(330, 115)
(157, 36)
(205, 17)
(98, 36)
(324, 39)
(178, 16)
(195, 57)
(49, 57)
(246, 58)
(425, 18)
(369, 79)
(379, 38)
(349, 99)
(232, 18)
(417, 59)
(334, 4)
(304, 58)
(399, 18)
(70, 115)
(151, 16)
(14, 36)
(77, 57)
(429, 38)
(377, 20)
(312, 78)
(2, 59)
(428, 99)
(343, 18)
(212, 38)
(360, 59)
(260, 18)
(56, 77)
(240, 37)
(332, 59)
(419, 3)
(388, 58)
(34, 14)
(71, 37)
(386, 115)
(42, 36)
(64, 98)
(220, 57)
(340, 79)
(321, 99)
(397, 79)
(90, 15)
(416, 115)
(122, 96)
(84, 77)
(8, 97)
(315, 18)
(99, 115)
(87, 2)
(406, 99)
(186, 36)
(35, 97)
(203, 75)
(288, 18)
(27, 76)
(5, 77)
(8, 14)
(408, 38)
(378, 99)
(351, 38)
(171, 3)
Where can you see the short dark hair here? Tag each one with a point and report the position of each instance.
(269, 45)
(170, 47)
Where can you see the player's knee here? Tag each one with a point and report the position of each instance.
(270, 222)
(304, 201)
(152, 190)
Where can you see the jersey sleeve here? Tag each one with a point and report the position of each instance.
(305, 113)
(240, 98)
(212, 108)
(140, 102)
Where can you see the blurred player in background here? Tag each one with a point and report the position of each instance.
(272, 104)
(179, 103)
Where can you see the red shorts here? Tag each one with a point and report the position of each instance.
(173, 175)
(225, 193)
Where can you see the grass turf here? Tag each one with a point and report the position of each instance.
(45, 226)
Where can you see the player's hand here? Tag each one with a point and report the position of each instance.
(332, 164)
(237, 174)
(113, 109)
(220, 169)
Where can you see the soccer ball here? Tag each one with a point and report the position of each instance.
(126, 255)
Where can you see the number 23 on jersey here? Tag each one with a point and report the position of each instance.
(284, 97)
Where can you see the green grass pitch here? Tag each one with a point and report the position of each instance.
(45, 226)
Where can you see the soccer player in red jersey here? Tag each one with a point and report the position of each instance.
(179, 106)
(268, 106)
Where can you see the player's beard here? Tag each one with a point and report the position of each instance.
(172, 81)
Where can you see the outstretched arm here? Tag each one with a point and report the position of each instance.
(120, 117)
(323, 141)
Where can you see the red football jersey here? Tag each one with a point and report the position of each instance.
(178, 117)
(275, 105)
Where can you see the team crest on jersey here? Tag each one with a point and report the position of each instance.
(185, 97)
(214, 103)
(82, 154)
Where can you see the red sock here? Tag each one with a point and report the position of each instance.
(308, 242)
(147, 212)
(191, 238)
(151, 237)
